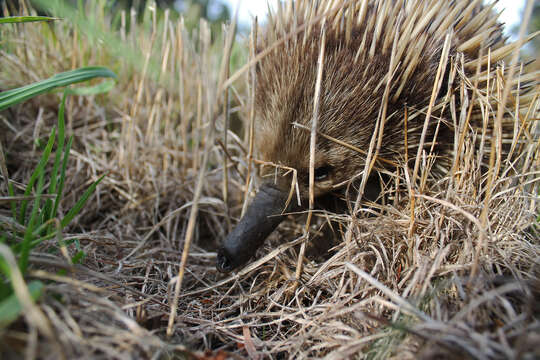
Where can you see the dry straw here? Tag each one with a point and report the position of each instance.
(400, 285)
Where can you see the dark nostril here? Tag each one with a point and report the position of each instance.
(223, 264)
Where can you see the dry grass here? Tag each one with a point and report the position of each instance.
(398, 286)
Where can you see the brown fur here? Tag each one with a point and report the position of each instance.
(354, 80)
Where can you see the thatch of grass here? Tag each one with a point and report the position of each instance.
(399, 285)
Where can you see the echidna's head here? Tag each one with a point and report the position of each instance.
(285, 106)
(349, 103)
(349, 106)
(351, 99)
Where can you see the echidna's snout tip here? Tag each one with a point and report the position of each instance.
(224, 263)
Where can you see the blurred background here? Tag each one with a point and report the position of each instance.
(219, 11)
(222, 10)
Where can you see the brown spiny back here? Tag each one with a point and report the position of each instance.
(361, 39)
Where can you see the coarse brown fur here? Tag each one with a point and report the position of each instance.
(355, 73)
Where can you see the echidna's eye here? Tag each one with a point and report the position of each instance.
(322, 172)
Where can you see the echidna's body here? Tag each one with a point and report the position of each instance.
(380, 62)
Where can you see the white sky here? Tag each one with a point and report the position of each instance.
(510, 16)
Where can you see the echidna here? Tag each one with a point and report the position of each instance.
(379, 71)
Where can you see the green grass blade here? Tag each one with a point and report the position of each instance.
(15, 96)
(37, 172)
(60, 146)
(13, 205)
(39, 229)
(5, 174)
(101, 88)
(4, 267)
(79, 205)
(10, 308)
(28, 235)
(78, 257)
(62, 176)
(24, 19)
(47, 213)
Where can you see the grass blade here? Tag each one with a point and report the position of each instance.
(15, 96)
(24, 19)
(28, 235)
(62, 176)
(47, 213)
(79, 205)
(5, 174)
(10, 308)
(37, 172)
(101, 88)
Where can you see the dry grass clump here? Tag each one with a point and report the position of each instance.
(448, 268)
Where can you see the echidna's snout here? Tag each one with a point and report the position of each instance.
(261, 218)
